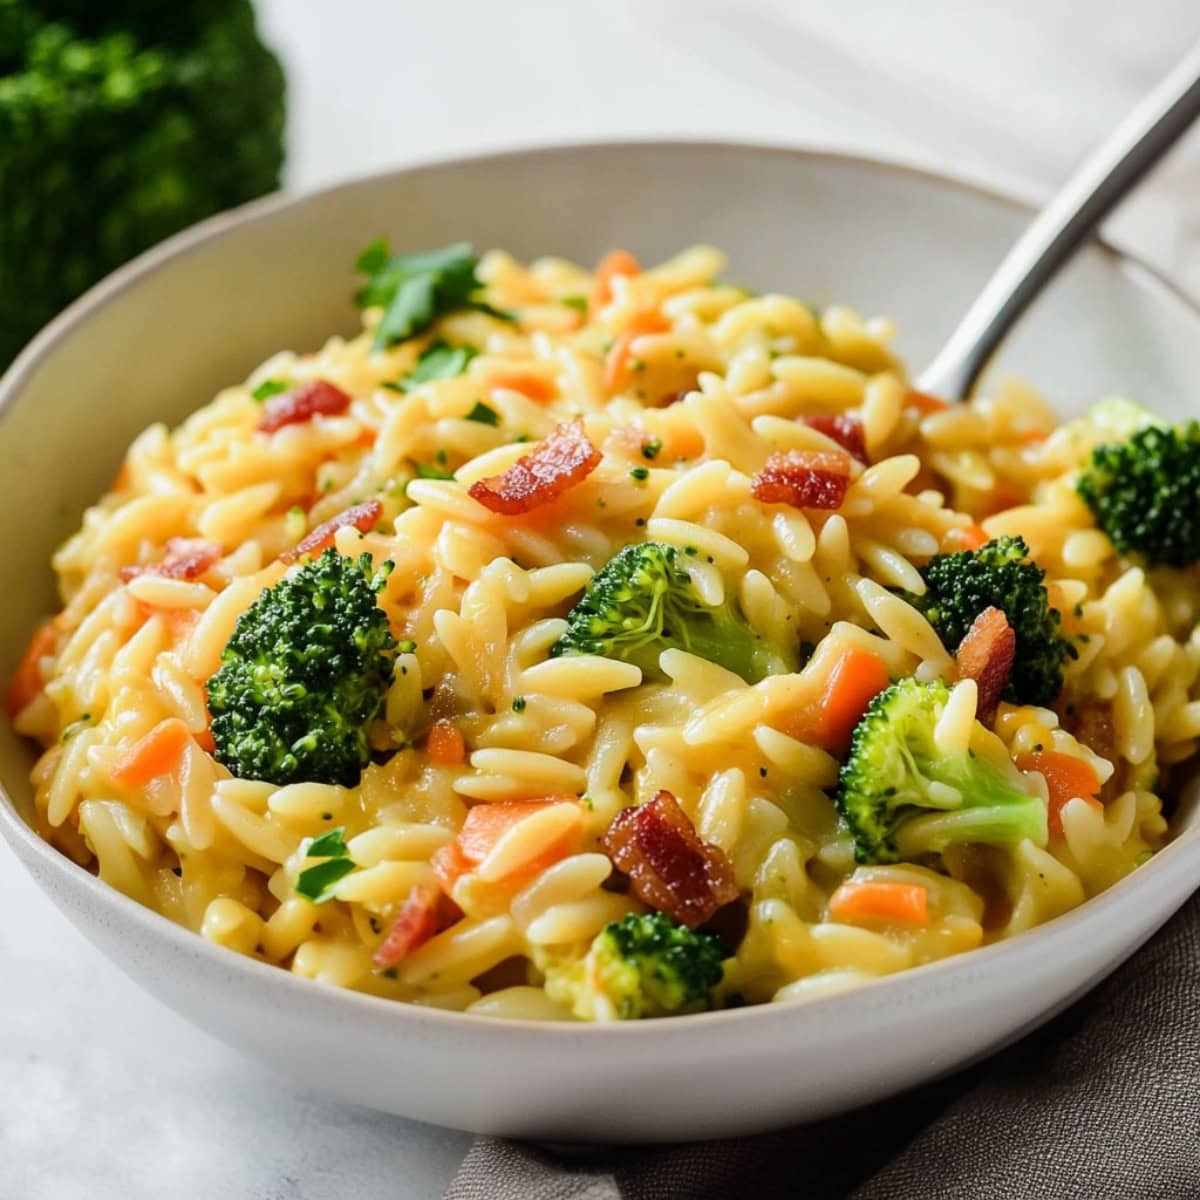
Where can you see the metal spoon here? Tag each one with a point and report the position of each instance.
(1153, 126)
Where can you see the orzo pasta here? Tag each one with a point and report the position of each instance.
(607, 644)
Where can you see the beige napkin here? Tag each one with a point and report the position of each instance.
(1101, 1104)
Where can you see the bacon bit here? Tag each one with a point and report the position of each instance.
(614, 263)
(416, 923)
(27, 683)
(986, 655)
(670, 867)
(924, 403)
(844, 429)
(302, 403)
(804, 479)
(186, 558)
(618, 365)
(564, 459)
(530, 385)
(364, 517)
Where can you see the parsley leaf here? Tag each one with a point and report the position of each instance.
(438, 361)
(415, 289)
(269, 388)
(578, 303)
(317, 882)
(428, 471)
(483, 414)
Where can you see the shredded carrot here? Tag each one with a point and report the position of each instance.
(1067, 778)
(614, 263)
(446, 744)
(152, 755)
(27, 683)
(907, 902)
(529, 384)
(925, 403)
(618, 366)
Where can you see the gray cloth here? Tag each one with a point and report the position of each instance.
(1101, 1104)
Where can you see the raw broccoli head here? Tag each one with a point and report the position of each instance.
(1143, 492)
(1000, 574)
(902, 797)
(648, 966)
(642, 602)
(303, 675)
(120, 124)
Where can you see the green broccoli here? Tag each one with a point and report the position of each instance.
(1142, 492)
(120, 123)
(903, 797)
(644, 966)
(1000, 574)
(303, 675)
(642, 602)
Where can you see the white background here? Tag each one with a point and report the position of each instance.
(104, 1094)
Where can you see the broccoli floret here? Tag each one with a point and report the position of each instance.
(644, 966)
(1000, 574)
(903, 797)
(303, 675)
(642, 602)
(1142, 492)
(120, 123)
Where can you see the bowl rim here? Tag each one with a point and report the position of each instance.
(872, 998)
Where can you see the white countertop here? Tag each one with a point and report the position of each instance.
(104, 1093)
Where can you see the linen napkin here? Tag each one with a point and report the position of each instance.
(1101, 1104)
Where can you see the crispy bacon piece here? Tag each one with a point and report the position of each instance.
(362, 516)
(986, 655)
(415, 924)
(843, 428)
(804, 479)
(670, 867)
(563, 460)
(303, 403)
(186, 558)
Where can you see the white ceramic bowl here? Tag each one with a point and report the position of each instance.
(159, 337)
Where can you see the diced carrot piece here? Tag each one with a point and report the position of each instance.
(1067, 778)
(856, 678)
(925, 403)
(486, 824)
(618, 365)
(204, 739)
(449, 865)
(27, 681)
(415, 924)
(894, 902)
(1002, 496)
(1032, 437)
(614, 263)
(446, 745)
(154, 754)
(971, 537)
(529, 384)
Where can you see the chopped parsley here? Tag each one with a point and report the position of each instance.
(269, 388)
(84, 720)
(518, 704)
(640, 473)
(432, 471)
(415, 289)
(578, 303)
(651, 448)
(438, 361)
(316, 883)
(483, 414)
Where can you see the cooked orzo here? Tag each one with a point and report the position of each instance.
(612, 644)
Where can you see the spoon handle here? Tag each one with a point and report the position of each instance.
(1095, 188)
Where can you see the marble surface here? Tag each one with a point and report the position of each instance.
(105, 1094)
